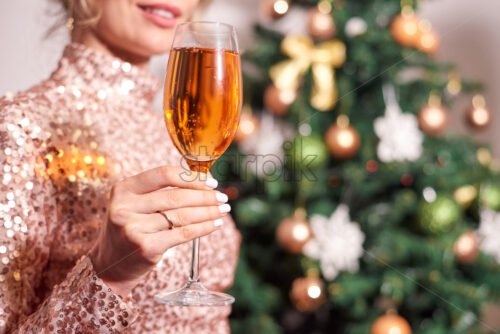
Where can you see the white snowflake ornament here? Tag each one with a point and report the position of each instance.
(337, 242)
(264, 149)
(489, 233)
(400, 137)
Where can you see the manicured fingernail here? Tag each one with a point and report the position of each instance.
(212, 183)
(224, 208)
(221, 197)
(218, 222)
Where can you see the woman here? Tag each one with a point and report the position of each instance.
(91, 185)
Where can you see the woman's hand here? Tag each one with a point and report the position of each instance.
(135, 235)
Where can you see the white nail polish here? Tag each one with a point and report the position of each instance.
(224, 208)
(221, 197)
(218, 222)
(212, 183)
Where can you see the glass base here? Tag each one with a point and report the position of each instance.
(194, 294)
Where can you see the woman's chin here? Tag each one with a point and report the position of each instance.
(153, 51)
(155, 45)
(144, 49)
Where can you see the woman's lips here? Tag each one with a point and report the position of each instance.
(163, 15)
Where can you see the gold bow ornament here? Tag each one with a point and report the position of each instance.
(322, 59)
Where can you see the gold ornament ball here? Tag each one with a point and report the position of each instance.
(433, 119)
(342, 141)
(274, 8)
(278, 101)
(466, 248)
(293, 233)
(249, 123)
(428, 42)
(390, 324)
(307, 293)
(320, 23)
(465, 195)
(405, 30)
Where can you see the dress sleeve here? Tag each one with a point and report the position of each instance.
(82, 303)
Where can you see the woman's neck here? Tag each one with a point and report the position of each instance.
(92, 41)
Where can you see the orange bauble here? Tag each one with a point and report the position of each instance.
(478, 116)
(390, 324)
(293, 233)
(433, 119)
(342, 140)
(404, 29)
(428, 42)
(466, 248)
(307, 293)
(247, 127)
(278, 101)
(320, 23)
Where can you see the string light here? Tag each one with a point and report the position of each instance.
(301, 232)
(429, 194)
(483, 156)
(314, 291)
(454, 85)
(281, 7)
(325, 7)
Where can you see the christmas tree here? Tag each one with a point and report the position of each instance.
(360, 212)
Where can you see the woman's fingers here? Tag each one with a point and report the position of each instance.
(174, 198)
(185, 216)
(155, 222)
(163, 240)
(165, 176)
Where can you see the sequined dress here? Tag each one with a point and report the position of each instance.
(63, 143)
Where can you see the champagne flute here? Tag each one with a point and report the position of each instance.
(202, 102)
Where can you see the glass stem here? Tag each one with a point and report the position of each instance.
(194, 274)
(195, 262)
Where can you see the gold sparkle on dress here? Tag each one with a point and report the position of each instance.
(63, 144)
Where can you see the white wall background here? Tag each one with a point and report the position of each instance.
(468, 30)
(25, 55)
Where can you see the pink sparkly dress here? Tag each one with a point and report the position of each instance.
(63, 144)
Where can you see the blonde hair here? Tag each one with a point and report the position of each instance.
(82, 12)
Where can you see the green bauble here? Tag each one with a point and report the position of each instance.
(306, 152)
(439, 216)
(490, 197)
(252, 211)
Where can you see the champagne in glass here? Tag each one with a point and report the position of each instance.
(202, 102)
(203, 97)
